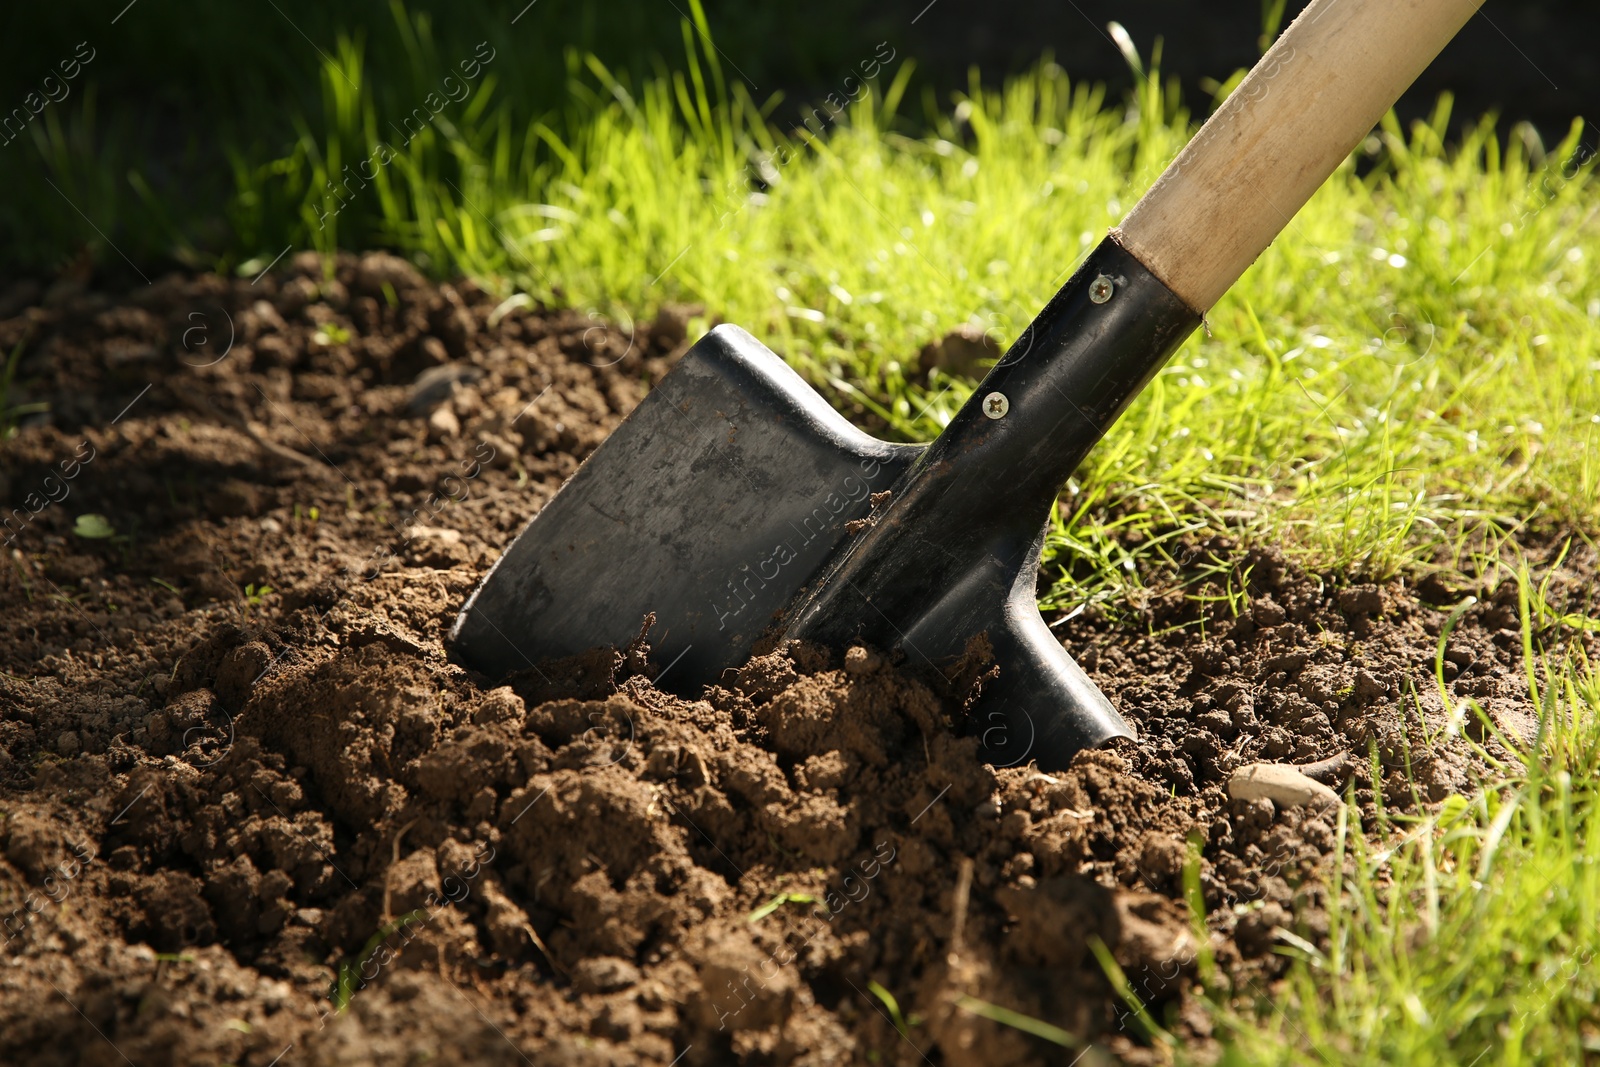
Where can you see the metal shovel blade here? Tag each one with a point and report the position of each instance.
(723, 505)
(712, 505)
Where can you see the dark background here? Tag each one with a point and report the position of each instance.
(1532, 61)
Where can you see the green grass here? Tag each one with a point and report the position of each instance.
(11, 412)
(1410, 365)
(1018, 1021)
(1469, 934)
(141, 156)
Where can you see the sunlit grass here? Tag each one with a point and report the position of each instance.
(1410, 363)
(1467, 934)
(1413, 361)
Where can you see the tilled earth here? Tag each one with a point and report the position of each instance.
(251, 813)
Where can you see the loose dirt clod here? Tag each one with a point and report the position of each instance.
(250, 806)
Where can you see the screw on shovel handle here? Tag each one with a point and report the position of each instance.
(1316, 93)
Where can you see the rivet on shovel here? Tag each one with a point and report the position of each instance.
(1100, 290)
(995, 405)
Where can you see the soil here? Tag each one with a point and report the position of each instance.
(253, 814)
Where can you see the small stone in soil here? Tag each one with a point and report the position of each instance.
(1279, 783)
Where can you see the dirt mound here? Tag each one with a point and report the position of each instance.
(252, 810)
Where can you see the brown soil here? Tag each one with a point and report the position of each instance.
(218, 800)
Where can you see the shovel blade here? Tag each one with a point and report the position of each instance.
(713, 505)
(1041, 706)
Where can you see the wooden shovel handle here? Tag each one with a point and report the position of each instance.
(1321, 88)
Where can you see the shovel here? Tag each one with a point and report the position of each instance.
(738, 507)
